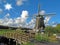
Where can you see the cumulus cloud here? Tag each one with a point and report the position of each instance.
(19, 2)
(6, 20)
(24, 16)
(21, 20)
(17, 20)
(8, 23)
(31, 24)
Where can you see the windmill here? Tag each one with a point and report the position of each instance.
(39, 25)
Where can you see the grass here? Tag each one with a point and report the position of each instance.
(45, 38)
(3, 31)
(28, 43)
(42, 37)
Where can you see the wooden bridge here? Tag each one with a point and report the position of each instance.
(20, 37)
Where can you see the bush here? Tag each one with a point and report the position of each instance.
(42, 38)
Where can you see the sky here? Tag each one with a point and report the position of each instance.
(14, 12)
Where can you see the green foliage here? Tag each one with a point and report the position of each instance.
(50, 30)
(58, 28)
(3, 31)
(42, 37)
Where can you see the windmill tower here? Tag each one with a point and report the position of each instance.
(39, 20)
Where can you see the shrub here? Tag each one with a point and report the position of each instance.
(42, 38)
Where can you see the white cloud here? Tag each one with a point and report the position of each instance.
(1, 21)
(9, 22)
(22, 20)
(31, 24)
(47, 18)
(32, 21)
(7, 15)
(1, 11)
(54, 25)
(6, 21)
(47, 24)
(42, 12)
(19, 2)
(24, 16)
(17, 20)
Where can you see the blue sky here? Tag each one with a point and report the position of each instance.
(49, 6)
(52, 6)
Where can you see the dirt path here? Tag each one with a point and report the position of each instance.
(47, 44)
(44, 43)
